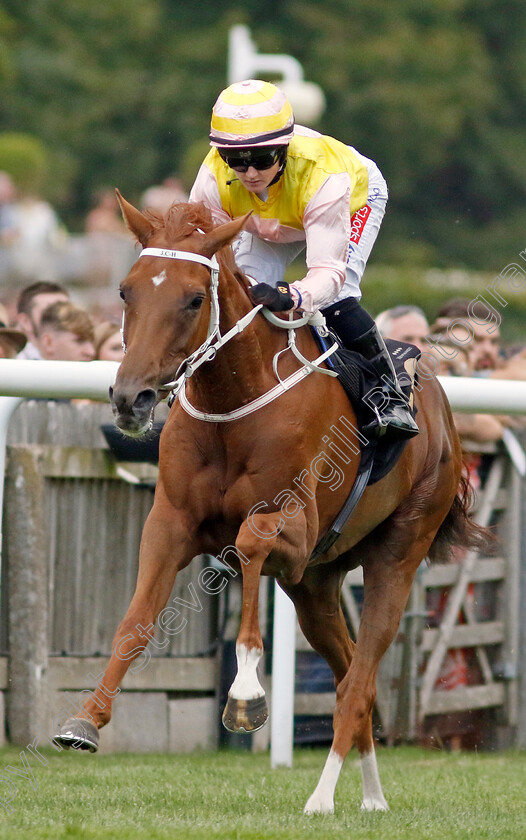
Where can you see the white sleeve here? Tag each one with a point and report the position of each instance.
(327, 226)
(205, 189)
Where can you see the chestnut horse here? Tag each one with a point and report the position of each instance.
(245, 474)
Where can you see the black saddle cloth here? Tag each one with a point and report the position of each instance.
(358, 378)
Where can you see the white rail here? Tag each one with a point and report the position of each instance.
(479, 395)
(21, 378)
(91, 380)
(56, 380)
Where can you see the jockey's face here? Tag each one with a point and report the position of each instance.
(257, 180)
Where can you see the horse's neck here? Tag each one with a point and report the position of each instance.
(242, 368)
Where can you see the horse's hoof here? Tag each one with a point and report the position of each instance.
(245, 715)
(79, 734)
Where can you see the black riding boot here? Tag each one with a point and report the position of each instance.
(392, 413)
(359, 332)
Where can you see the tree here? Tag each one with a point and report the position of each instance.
(435, 92)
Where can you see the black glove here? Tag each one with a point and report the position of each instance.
(276, 299)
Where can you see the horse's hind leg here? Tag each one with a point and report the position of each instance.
(318, 606)
(386, 588)
(162, 554)
(317, 602)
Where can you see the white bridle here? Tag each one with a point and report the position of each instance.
(214, 341)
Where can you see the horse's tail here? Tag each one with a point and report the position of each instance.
(458, 528)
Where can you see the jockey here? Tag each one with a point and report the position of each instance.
(304, 189)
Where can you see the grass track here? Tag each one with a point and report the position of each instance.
(231, 795)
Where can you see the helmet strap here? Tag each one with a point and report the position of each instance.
(283, 164)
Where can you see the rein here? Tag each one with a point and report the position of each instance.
(214, 341)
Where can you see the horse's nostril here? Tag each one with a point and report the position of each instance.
(131, 404)
(144, 399)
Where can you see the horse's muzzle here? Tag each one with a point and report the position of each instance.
(133, 411)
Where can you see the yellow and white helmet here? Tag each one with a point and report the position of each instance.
(251, 113)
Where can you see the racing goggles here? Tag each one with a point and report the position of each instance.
(242, 159)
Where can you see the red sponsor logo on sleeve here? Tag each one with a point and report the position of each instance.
(358, 221)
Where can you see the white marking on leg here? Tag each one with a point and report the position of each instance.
(373, 797)
(246, 685)
(159, 278)
(322, 800)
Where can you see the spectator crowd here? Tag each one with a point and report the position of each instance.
(36, 246)
(44, 322)
(48, 325)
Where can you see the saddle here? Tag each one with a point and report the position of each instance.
(360, 382)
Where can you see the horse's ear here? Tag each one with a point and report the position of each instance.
(136, 222)
(223, 235)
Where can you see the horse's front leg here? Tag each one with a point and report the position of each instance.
(164, 550)
(246, 709)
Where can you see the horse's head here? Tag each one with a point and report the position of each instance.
(166, 304)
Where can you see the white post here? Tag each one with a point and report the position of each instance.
(283, 672)
(244, 61)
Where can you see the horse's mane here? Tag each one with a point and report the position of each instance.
(181, 219)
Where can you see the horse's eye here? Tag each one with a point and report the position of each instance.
(121, 293)
(196, 303)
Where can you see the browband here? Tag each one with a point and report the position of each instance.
(179, 255)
